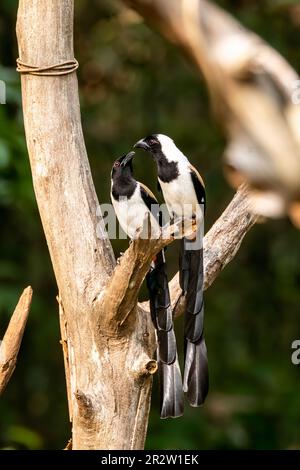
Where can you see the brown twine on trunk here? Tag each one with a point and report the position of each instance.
(62, 68)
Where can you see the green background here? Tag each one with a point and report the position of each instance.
(133, 83)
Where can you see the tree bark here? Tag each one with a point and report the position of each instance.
(109, 388)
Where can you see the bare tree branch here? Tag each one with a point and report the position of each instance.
(221, 243)
(11, 343)
(252, 89)
(121, 294)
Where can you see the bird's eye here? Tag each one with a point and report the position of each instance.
(116, 164)
(152, 141)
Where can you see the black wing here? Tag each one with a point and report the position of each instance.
(151, 203)
(198, 186)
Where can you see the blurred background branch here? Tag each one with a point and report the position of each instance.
(253, 91)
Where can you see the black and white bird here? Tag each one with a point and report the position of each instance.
(184, 193)
(132, 202)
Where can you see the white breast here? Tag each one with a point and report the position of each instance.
(180, 195)
(131, 214)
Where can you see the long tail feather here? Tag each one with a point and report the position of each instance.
(171, 396)
(194, 298)
(167, 345)
(195, 381)
(193, 325)
(157, 282)
(171, 392)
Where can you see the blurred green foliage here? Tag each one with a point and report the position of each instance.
(133, 83)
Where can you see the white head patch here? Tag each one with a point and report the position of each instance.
(169, 149)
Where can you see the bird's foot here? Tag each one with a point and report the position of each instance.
(119, 259)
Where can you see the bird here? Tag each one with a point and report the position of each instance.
(133, 202)
(184, 193)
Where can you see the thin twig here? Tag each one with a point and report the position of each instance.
(13, 337)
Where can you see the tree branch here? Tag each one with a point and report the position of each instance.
(252, 89)
(221, 244)
(11, 343)
(121, 294)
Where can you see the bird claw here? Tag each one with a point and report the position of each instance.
(119, 259)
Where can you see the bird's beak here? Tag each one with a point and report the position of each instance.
(141, 144)
(127, 158)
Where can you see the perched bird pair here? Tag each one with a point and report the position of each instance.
(184, 194)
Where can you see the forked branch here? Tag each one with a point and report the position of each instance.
(121, 294)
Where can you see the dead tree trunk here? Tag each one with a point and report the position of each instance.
(109, 386)
(108, 340)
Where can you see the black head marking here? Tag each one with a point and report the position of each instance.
(153, 142)
(167, 170)
(150, 143)
(123, 165)
(123, 183)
